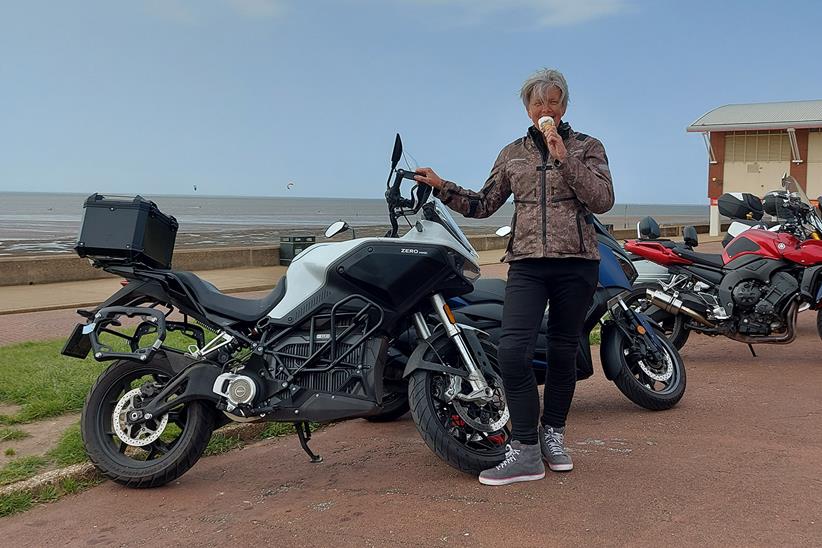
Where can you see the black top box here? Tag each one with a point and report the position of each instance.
(126, 229)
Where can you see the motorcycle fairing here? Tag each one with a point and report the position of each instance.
(610, 271)
(309, 272)
(807, 253)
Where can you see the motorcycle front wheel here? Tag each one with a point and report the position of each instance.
(143, 455)
(653, 386)
(470, 436)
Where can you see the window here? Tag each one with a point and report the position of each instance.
(757, 146)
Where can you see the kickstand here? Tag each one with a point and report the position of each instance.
(304, 433)
(750, 347)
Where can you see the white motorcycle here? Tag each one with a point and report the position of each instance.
(317, 349)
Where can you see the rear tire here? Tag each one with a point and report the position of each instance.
(151, 465)
(819, 323)
(394, 409)
(635, 384)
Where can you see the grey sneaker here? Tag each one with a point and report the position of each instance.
(552, 443)
(522, 463)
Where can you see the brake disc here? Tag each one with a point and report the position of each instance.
(661, 374)
(125, 431)
(496, 402)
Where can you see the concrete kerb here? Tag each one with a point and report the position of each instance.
(86, 471)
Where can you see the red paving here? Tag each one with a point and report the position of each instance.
(736, 463)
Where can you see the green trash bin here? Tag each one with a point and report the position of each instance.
(293, 245)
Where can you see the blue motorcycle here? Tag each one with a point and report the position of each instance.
(634, 352)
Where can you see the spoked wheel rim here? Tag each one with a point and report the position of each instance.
(659, 378)
(139, 445)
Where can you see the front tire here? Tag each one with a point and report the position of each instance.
(636, 379)
(819, 323)
(157, 452)
(443, 426)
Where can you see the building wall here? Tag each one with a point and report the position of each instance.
(755, 161)
(814, 187)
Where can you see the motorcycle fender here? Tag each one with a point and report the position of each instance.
(611, 370)
(417, 361)
(610, 329)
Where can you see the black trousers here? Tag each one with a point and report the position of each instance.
(570, 285)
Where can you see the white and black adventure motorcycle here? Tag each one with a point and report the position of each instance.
(317, 349)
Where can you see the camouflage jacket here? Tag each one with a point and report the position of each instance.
(552, 200)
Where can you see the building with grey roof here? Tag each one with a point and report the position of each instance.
(750, 147)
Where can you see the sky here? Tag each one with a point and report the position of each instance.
(241, 97)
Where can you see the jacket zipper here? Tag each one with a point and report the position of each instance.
(544, 204)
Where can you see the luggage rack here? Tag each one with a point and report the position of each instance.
(86, 337)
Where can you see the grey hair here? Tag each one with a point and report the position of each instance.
(541, 82)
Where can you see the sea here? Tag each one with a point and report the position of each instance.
(46, 223)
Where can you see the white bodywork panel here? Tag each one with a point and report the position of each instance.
(308, 271)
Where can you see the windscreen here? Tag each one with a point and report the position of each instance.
(440, 214)
(795, 190)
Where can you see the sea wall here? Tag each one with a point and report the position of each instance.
(65, 268)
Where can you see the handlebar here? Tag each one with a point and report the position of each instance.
(397, 203)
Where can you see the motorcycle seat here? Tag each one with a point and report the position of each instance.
(664, 243)
(235, 308)
(708, 259)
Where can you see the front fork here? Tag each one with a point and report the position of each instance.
(638, 324)
(479, 386)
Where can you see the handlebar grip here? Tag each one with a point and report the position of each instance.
(406, 174)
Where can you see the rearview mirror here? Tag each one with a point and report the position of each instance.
(503, 231)
(397, 153)
(647, 229)
(689, 234)
(336, 228)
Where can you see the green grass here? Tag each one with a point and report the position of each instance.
(9, 452)
(22, 468)
(596, 335)
(42, 382)
(11, 434)
(46, 384)
(69, 450)
(17, 502)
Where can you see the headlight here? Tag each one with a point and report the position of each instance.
(467, 268)
(470, 271)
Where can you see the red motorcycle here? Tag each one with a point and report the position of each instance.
(752, 291)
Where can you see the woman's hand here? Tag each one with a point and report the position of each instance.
(429, 177)
(555, 145)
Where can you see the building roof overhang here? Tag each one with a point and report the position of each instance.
(760, 116)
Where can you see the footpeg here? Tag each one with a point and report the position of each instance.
(304, 433)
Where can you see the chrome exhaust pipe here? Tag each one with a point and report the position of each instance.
(672, 305)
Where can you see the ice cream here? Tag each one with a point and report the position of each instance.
(545, 123)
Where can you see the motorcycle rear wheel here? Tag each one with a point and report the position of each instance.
(148, 457)
(633, 379)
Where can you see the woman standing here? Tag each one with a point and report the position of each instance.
(558, 178)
